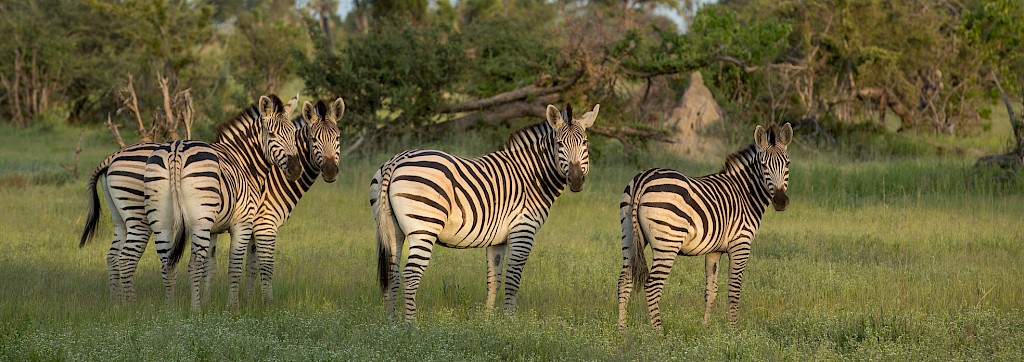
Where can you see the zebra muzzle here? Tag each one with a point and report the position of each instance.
(330, 170)
(576, 178)
(293, 168)
(780, 200)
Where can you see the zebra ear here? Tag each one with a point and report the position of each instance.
(266, 105)
(309, 112)
(337, 110)
(785, 135)
(555, 117)
(588, 118)
(290, 106)
(761, 138)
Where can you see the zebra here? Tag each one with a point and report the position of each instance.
(123, 173)
(497, 201)
(711, 215)
(124, 191)
(320, 154)
(207, 189)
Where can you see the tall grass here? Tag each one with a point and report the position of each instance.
(884, 259)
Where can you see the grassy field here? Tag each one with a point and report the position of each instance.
(889, 259)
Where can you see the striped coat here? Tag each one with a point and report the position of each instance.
(497, 201)
(206, 189)
(717, 214)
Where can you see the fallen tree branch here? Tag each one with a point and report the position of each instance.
(504, 112)
(627, 134)
(531, 91)
(351, 148)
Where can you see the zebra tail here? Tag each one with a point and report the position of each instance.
(94, 201)
(386, 237)
(180, 226)
(639, 260)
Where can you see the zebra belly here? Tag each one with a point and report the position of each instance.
(668, 220)
(460, 234)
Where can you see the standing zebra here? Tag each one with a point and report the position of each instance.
(210, 188)
(719, 213)
(320, 152)
(497, 201)
(123, 176)
(125, 193)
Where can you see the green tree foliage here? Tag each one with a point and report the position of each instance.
(36, 52)
(394, 76)
(927, 62)
(262, 52)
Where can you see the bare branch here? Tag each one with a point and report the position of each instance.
(170, 123)
(185, 111)
(351, 148)
(132, 103)
(117, 134)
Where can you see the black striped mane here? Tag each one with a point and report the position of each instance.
(246, 120)
(741, 159)
(528, 135)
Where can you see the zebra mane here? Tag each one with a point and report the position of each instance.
(528, 135)
(247, 119)
(740, 159)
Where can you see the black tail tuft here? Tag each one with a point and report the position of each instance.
(94, 205)
(178, 247)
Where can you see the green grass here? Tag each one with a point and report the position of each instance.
(886, 259)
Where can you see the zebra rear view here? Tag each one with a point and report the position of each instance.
(720, 213)
(211, 188)
(497, 201)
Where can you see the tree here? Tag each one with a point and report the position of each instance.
(32, 73)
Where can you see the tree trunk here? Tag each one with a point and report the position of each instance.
(1013, 159)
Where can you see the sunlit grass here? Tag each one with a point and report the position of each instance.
(893, 260)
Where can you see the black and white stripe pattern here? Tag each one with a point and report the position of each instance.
(320, 152)
(123, 176)
(124, 188)
(497, 201)
(720, 213)
(210, 188)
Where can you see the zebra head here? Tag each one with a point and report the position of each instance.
(279, 135)
(573, 147)
(771, 151)
(323, 136)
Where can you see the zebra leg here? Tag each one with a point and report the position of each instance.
(495, 265)
(209, 270)
(626, 276)
(395, 275)
(113, 264)
(162, 243)
(660, 270)
(251, 269)
(241, 233)
(738, 254)
(265, 244)
(520, 248)
(421, 245)
(198, 262)
(711, 285)
(132, 250)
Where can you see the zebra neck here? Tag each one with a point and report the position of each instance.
(539, 167)
(744, 168)
(241, 139)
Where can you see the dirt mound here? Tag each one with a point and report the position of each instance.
(696, 110)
